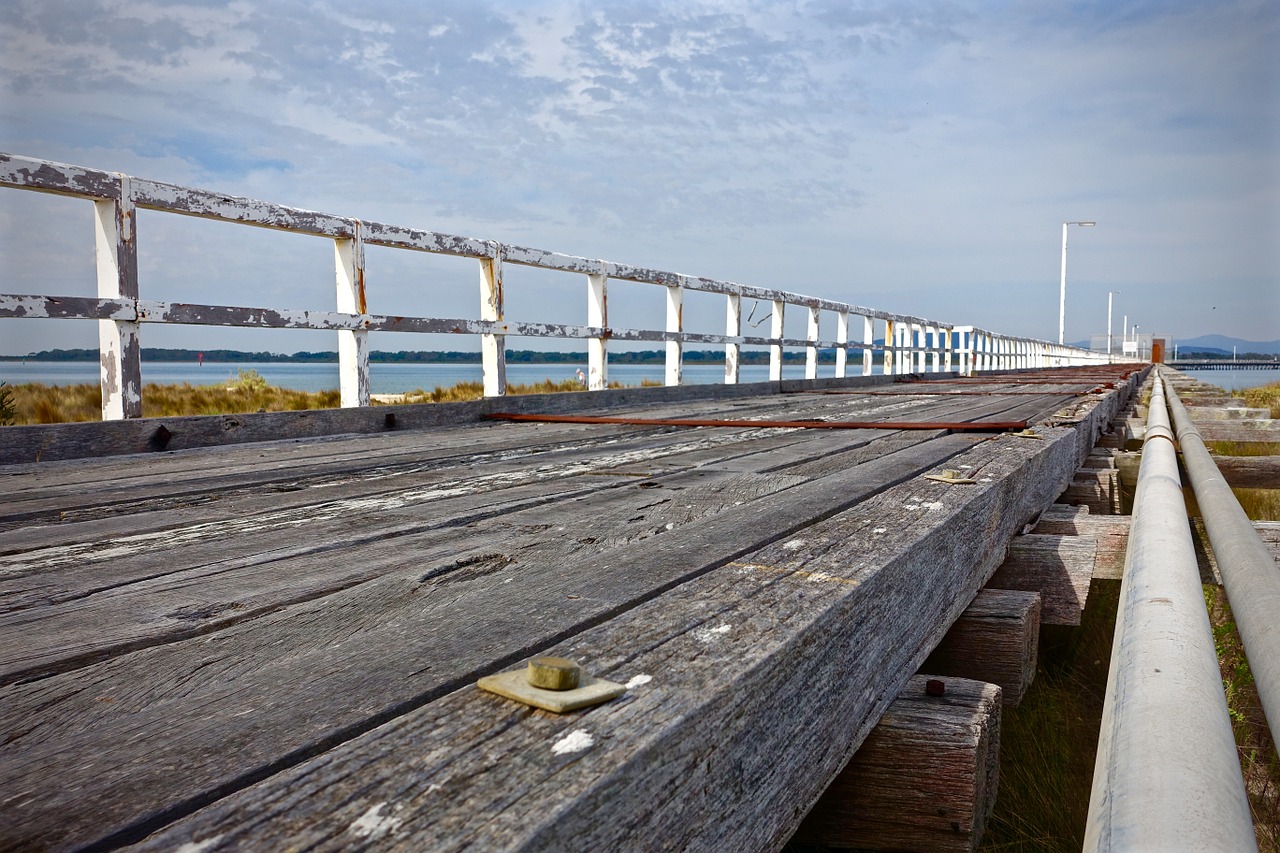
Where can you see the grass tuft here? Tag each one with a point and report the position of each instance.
(8, 411)
(1257, 750)
(1048, 743)
(1243, 448)
(1261, 397)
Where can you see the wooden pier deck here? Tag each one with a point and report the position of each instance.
(274, 644)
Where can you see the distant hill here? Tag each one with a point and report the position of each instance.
(1223, 344)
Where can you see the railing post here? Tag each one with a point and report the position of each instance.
(947, 344)
(919, 333)
(119, 347)
(493, 347)
(842, 343)
(353, 344)
(732, 329)
(868, 345)
(890, 342)
(966, 353)
(675, 323)
(597, 316)
(775, 332)
(936, 359)
(811, 351)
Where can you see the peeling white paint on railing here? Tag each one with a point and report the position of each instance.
(908, 343)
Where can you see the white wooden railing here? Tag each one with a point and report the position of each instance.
(908, 344)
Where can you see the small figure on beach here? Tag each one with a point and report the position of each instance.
(582, 377)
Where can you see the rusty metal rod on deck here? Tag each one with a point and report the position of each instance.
(958, 426)
(1166, 775)
(1248, 571)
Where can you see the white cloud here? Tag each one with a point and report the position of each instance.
(915, 156)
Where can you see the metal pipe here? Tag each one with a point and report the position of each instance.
(1248, 571)
(1166, 775)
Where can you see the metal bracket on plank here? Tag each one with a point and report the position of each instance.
(552, 684)
(951, 477)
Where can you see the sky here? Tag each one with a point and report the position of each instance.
(916, 157)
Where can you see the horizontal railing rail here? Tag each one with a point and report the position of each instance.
(906, 344)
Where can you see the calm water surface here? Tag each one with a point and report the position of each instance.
(1233, 379)
(383, 378)
(399, 378)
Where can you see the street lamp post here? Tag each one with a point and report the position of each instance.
(1062, 292)
(1137, 341)
(1109, 292)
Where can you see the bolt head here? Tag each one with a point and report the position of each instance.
(553, 673)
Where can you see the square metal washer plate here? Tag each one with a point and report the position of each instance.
(515, 685)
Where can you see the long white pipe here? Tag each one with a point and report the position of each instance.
(1249, 573)
(1166, 775)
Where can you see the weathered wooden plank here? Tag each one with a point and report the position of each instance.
(60, 178)
(66, 307)
(1096, 488)
(1059, 568)
(262, 461)
(28, 444)
(1249, 472)
(187, 591)
(995, 640)
(1213, 414)
(1261, 430)
(349, 669)
(301, 485)
(924, 780)
(72, 477)
(189, 475)
(206, 204)
(765, 679)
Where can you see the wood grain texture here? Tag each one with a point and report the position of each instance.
(782, 652)
(403, 639)
(924, 780)
(1110, 535)
(27, 444)
(816, 551)
(995, 640)
(1059, 568)
(1249, 472)
(1096, 488)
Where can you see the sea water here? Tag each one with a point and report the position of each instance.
(383, 378)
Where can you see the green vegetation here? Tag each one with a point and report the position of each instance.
(8, 411)
(248, 392)
(1257, 750)
(1262, 397)
(1243, 448)
(1259, 504)
(1048, 743)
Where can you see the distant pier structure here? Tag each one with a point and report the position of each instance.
(1225, 364)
